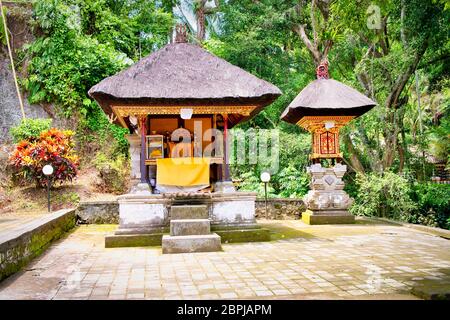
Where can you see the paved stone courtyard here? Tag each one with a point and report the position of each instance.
(359, 261)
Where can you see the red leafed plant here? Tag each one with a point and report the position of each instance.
(54, 147)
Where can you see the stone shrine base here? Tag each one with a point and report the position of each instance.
(327, 217)
(227, 235)
(145, 218)
(327, 202)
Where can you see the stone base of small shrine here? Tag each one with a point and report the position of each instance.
(144, 217)
(327, 202)
(327, 217)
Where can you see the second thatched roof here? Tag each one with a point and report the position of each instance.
(327, 97)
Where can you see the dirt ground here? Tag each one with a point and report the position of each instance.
(29, 200)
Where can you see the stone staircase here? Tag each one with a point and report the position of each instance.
(190, 231)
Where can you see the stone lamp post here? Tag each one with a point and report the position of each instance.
(322, 108)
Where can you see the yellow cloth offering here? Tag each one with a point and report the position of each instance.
(182, 172)
(155, 153)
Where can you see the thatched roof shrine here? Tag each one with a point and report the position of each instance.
(183, 74)
(327, 97)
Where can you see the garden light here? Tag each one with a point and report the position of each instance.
(48, 171)
(265, 177)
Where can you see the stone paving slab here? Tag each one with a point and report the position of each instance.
(360, 261)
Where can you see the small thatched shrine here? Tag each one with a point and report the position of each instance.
(322, 108)
(178, 104)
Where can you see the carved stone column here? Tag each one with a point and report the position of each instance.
(139, 184)
(327, 202)
(135, 157)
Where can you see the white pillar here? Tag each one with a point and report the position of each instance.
(135, 155)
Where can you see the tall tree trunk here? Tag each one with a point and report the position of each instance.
(200, 16)
(354, 155)
(401, 157)
(201, 10)
(393, 103)
(313, 46)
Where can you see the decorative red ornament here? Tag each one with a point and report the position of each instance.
(322, 70)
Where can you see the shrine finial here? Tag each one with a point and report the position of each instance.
(180, 33)
(322, 70)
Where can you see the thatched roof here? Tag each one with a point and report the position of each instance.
(183, 74)
(327, 97)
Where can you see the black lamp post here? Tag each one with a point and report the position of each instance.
(48, 171)
(265, 177)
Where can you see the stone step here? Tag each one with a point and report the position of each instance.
(189, 212)
(193, 243)
(186, 227)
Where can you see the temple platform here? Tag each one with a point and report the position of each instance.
(147, 219)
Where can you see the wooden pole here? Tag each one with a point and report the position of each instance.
(226, 171)
(143, 167)
(12, 60)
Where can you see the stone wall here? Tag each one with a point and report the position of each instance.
(98, 212)
(19, 246)
(18, 17)
(106, 212)
(280, 209)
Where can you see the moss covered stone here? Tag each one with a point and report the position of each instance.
(244, 235)
(133, 240)
(19, 247)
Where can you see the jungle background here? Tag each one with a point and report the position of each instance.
(394, 51)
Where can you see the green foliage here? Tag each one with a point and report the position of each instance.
(66, 198)
(373, 61)
(439, 144)
(66, 63)
(257, 36)
(386, 195)
(2, 28)
(82, 42)
(250, 182)
(113, 173)
(433, 201)
(30, 129)
(288, 172)
(105, 132)
(292, 182)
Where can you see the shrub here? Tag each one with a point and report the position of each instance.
(386, 195)
(30, 129)
(251, 182)
(292, 182)
(53, 147)
(288, 171)
(433, 202)
(113, 173)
